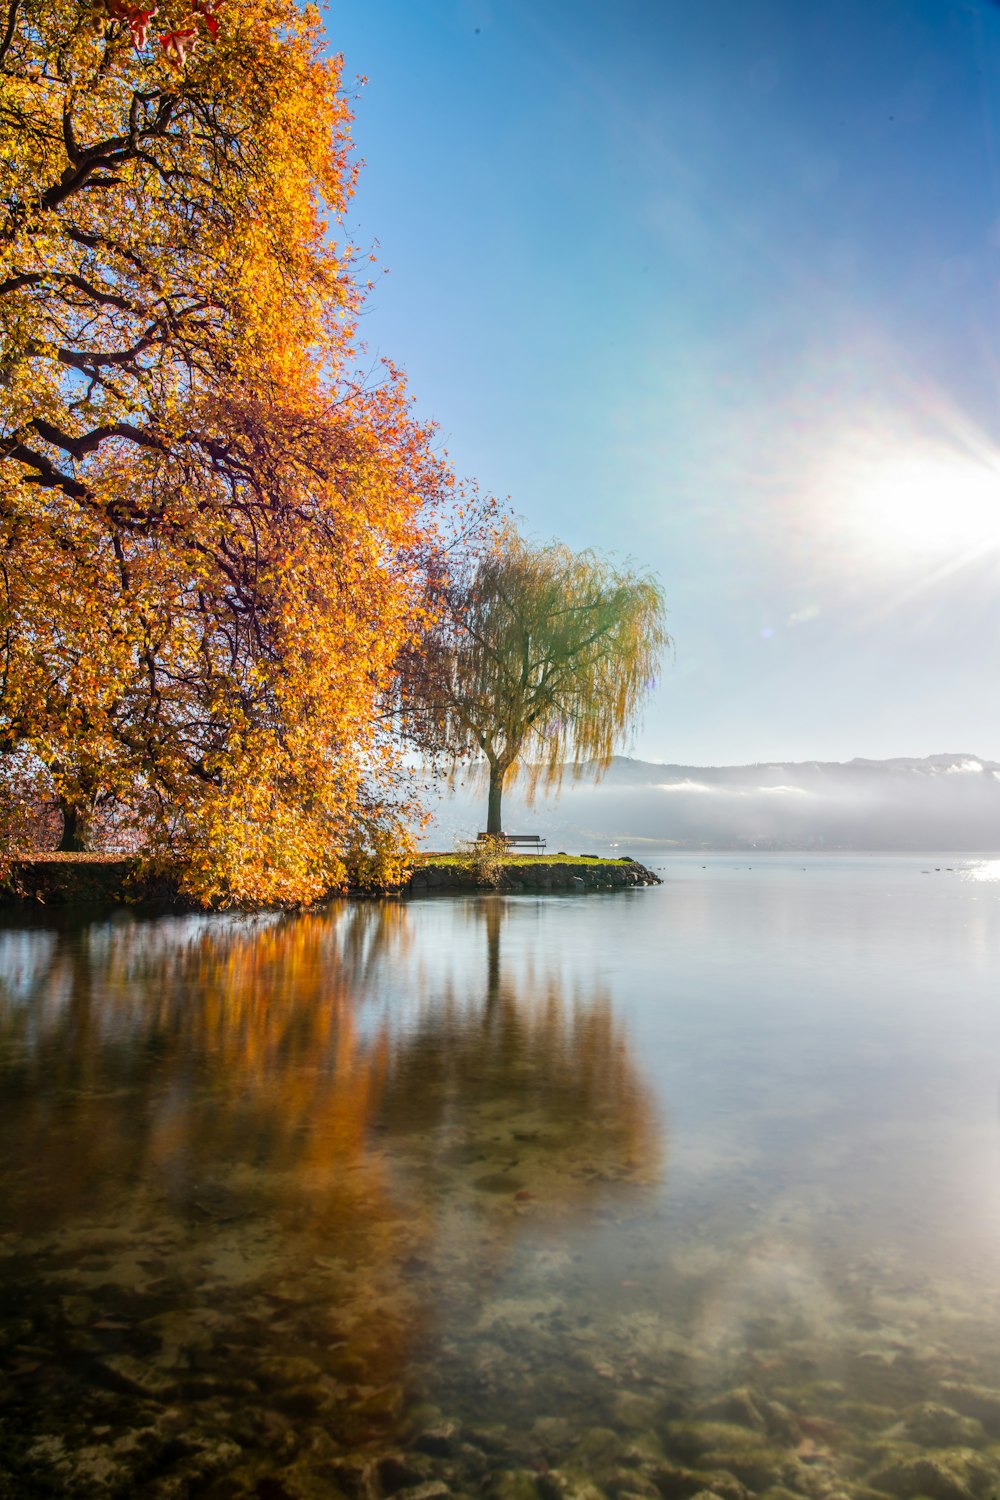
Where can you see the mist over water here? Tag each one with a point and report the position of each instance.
(935, 802)
(283, 1195)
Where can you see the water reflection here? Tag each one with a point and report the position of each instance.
(346, 1204)
(239, 1159)
(532, 1088)
(179, 1050)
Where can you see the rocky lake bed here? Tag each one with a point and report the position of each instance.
(170, 1360)
(505, 1196)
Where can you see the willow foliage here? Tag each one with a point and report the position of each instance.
(544, 662)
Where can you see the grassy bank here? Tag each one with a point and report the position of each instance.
(522, 859)
(444, 874)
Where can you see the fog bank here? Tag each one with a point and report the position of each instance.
(946, 801)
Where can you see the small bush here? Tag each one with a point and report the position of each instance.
(485, 859)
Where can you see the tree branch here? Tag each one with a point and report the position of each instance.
(26, 278)
(69, 139)
(96, 242)
(8, 35)
(47, 476)
(79, 447)
(90, 360)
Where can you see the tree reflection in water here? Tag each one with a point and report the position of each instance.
(529, 1095)
(298, 1135)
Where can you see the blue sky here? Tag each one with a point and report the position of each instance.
(716, 287)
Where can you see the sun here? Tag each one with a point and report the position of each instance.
(883, 499)
(888, 500)
(933, 503)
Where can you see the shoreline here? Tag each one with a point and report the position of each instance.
(72, 880)
(533, 872)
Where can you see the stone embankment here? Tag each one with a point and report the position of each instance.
(587, 873)
(75, 879)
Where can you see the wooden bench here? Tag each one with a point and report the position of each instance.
(531, 841)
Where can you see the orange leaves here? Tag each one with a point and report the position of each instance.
(219, 554)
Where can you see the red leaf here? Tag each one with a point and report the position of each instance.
(138, 24)
(177, 45)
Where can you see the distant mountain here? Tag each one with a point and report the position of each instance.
(947, 801)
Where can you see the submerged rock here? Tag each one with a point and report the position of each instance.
(553, 1433)
(568, 1484)
(212, 1456)
(748, 1408)
(738, 1406)
(355, 1474)
(692, 1439)
(641, 1449)
(677, 1483)
(866, 1416)
(634, 1412)
(628, 1482)
(725, 1446)
(382, 1406)
(398, 1471)
(513, 1484)
(124, 1373)
(952, 1474)
(977, 1401)
(598, 1449)
(278, 1370)
(439, 1441)
(492, 1437)
(934, 1426)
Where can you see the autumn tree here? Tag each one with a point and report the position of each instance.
(214, 538)
(540, 662)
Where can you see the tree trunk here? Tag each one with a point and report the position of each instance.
(73, 839)
(493, 824)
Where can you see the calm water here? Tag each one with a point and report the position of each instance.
(694, 1188)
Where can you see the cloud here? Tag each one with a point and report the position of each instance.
(683, 786)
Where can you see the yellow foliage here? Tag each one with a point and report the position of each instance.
(215, 541)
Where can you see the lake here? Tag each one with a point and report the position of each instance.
(671, 1191)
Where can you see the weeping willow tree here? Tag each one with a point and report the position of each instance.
(541, 664)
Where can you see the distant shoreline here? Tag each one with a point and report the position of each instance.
(908, 804)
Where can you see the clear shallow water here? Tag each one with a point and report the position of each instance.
(656, 1192)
